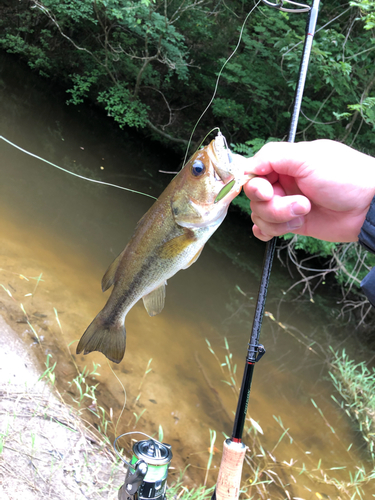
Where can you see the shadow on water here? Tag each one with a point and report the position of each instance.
(67, 231)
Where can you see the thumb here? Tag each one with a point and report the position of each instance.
(281, 157)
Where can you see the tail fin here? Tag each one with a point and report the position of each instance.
(108, 338)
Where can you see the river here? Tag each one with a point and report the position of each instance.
(58, 236)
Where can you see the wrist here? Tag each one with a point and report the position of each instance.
(366, 235)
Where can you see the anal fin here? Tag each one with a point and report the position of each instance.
(154, 301)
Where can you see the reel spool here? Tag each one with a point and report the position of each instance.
(146, 477)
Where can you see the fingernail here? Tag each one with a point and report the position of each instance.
(297, 209)
(295, 223)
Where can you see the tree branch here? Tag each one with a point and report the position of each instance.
(164, 134)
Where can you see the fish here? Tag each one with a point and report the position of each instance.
(168, 238)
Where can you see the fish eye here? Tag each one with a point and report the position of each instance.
(198, 168)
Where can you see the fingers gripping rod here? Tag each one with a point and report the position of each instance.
(229, 478)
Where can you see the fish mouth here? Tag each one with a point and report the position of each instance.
(224, 175)
(222, 167)
(228, 180)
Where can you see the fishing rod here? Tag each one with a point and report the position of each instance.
(229, 477)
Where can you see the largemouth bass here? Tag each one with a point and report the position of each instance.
(169, 237)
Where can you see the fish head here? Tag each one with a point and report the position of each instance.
(209, 181)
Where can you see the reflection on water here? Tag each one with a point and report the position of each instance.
(66, 232)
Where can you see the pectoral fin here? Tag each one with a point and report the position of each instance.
(194, 259)
(154, 301)
(172, 248)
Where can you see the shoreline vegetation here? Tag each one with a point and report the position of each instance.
(152, 64)
(355, 383)
(48, 447)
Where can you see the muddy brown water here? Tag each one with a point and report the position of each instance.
(59, 234)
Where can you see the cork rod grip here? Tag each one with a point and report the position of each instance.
(229, 479)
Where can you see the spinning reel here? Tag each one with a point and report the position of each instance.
(146, 477)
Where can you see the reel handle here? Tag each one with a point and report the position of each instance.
(229, 478)
(133, 481)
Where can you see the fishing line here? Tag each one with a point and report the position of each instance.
(210, 132)
(200, 145)
(218, 78)
(191, 135)
(123, 388)
(73, 173)
(97, 182)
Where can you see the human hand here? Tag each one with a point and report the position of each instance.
(321, 189)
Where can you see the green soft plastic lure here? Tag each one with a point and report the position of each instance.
(226, 189)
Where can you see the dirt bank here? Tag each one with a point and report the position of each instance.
(45, 450)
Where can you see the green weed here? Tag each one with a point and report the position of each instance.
(180, 492)
(138, 417)
(356, 385)
(211, 452)
(49, 372)
(270, 477)
(84, 388)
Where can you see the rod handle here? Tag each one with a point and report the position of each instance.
(229, 479)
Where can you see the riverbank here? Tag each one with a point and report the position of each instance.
(45, 449)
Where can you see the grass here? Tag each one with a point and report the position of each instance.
(267, 474)
(211, 454)
(274, 478)
(179, 491)
(356, 385)
(46, 447)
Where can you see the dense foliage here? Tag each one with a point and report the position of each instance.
(154, 65)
